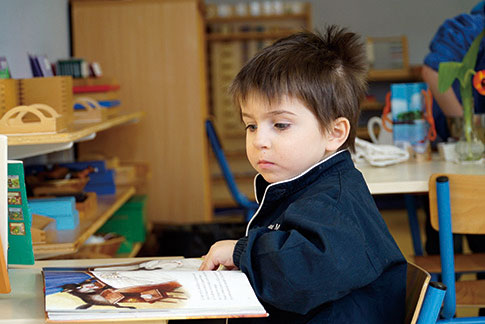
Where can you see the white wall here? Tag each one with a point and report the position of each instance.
(33, 26)
(42, 26)
(417, 19)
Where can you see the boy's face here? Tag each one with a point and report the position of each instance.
(283, 139)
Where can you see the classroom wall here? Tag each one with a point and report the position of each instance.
(33, 26)
(42, 26)
(417, 19)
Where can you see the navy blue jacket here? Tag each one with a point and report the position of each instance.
(318, 251)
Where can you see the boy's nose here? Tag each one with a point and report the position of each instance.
(261, 139)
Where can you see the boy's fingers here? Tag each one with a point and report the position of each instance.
(207, 265)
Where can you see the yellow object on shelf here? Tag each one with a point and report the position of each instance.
(9, 89)
(46, 120)
(53, 91)
(91, 112)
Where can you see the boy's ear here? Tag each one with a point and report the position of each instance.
(337, 134)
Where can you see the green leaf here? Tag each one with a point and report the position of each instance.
(447, 73)
(471, 56)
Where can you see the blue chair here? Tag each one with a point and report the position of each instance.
(423, 298)
(457, 205)
(249, 206)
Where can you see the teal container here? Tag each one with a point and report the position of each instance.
(129, 220)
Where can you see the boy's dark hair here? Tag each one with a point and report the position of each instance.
(325, 71)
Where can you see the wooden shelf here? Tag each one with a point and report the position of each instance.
(371, 105)
(27, 145)
(248, 35)
(413, 74)
(69, 241)
(74, 133)
(263, 18)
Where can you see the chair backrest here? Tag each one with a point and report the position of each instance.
(457, 204)
(417, 281)
(467, 202)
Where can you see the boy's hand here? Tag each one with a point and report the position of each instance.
(219, 254)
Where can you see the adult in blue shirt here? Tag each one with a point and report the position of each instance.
(450, 43)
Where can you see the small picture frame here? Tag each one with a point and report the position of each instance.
(13, 182)
(388, 54)
(17, 228)
(15, 213)
(14, 198)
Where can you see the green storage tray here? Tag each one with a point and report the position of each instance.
(129, 220)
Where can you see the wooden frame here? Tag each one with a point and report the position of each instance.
(388, 57)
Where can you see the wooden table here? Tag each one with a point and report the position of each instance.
(409, 178)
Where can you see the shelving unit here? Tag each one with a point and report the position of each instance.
(231, 41)
(60, 242)
(69, 241)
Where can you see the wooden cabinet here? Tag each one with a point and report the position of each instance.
(156, 48)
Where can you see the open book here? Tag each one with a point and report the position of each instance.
(154, 289)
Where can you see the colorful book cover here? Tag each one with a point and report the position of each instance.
(45, 65)
(153, 289)
(4, 71)
(19, 217)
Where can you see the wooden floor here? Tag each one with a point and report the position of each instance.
(397, 222)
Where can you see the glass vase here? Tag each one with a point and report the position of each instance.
(470, 146)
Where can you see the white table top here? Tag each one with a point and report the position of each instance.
(25, 303)
(411, 176)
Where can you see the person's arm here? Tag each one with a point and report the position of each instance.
(447, 101)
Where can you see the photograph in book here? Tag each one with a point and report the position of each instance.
(166, 289)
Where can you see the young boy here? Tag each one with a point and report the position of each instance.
(317, 250)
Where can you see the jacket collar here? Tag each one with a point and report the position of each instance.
(265, 191)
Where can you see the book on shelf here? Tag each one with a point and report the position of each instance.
(19, 217)
(145, 290)
(4, 71)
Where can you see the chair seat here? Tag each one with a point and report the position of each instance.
(463, 263)
(470, 293)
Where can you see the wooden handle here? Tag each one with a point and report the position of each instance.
(14, 116)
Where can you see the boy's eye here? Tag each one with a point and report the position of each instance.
(281, 126)
(251, 128)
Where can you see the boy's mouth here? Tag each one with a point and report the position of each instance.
(264, 163)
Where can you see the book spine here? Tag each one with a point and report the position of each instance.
(3, 194)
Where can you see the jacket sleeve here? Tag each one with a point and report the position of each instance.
(312, 259)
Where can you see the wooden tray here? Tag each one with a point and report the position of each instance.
(62, 186)
(88, 208)
(53, 91)
(92, 111)
(39, 223)
(36, 118)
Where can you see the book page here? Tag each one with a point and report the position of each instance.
(114, 292)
